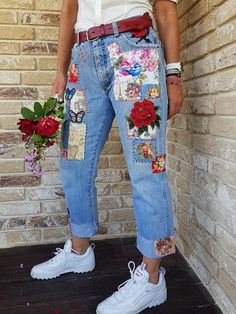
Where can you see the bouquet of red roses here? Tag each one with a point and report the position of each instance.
(40, 128)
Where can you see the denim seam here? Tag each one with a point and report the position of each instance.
(165, 204)
(92, 169)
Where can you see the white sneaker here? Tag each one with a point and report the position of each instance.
(65, 261)
(136, 293)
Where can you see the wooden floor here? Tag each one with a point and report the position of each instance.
(80, 293)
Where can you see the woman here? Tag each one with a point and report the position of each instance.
(119, 68)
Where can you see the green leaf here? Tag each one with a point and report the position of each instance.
(36, 137)
(140, 131)
(145, 128)
(38, 109)
(27, 113)
(131, 125)
(156, 107)
(63, 120)
(157, 123)
(49, 106)
(153, 125)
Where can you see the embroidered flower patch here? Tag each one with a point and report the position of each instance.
(74, 74)
(165, 246)
(144, 151)
(143, 120)
(141, 34)
(133, 68)
(159, 164)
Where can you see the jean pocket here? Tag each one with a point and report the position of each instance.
(142, 40)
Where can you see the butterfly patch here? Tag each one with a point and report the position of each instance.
(76, 117)
(69, 93)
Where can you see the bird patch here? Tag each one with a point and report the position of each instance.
(132, 70)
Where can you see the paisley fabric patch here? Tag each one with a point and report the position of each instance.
(74, 74)
(165, 246)
(76, 142)
(159, 165)
(78, 101)
(132, 70)
(144, 151)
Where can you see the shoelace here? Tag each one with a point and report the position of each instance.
(123, 288)
(59, 252)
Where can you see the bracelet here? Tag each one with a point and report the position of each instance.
(174, 74)
(176, 65)
(173, 71)
(174, 80)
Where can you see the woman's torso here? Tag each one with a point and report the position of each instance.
(96, 12)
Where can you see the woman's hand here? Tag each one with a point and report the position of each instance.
(59, 85)
(175, 97)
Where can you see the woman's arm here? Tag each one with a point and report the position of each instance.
(168, 27)
(65, 43)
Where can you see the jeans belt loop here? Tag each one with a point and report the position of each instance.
(115, 29)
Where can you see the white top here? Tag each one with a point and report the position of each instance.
(96, 12)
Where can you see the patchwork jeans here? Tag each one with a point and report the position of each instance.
(119, 76)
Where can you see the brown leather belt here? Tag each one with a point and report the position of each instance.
(133, 23)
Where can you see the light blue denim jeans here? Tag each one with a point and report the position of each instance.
(124, 77)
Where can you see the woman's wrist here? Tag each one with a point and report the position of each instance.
(173, 80)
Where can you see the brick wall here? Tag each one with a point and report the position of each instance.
(202, 147)
(33, 210)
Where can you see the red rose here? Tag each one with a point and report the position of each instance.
(139, 33)
(26, 126)
(47, 126)
(143, 113)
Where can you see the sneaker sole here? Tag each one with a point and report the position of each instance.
(40, 277)
(158, 301)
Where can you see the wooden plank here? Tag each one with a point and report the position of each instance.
(80, 293)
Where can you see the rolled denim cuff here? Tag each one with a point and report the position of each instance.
(147, 247)
(85, 230)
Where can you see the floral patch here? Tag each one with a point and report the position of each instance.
(76, 142)
(133, 91)
(165, 246)
(144, 151)
(159, 164)
(133, 68)
(74, 74)
(150, 91)
(143, 120)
